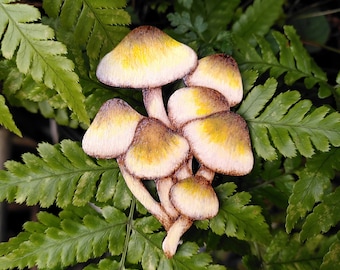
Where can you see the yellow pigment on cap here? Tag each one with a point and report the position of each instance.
(220, 72)
(156, 151)
(112, 130)
(221, 142)
(190, 103)
(146, 58)
(194, 198)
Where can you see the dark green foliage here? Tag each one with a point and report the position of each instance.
(284, 215)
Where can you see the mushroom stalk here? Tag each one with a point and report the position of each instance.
(163, 189)
(206, 173)
(137, 188)
(170, 243)
(154, 105)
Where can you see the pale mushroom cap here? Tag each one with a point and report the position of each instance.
(221, 142)
(156, 151)
(112, 130)
(189, 103)
(195, 198)
(146, 58)
(220, 72)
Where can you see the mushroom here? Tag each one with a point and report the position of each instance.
(109, 136)
(147, 58)
(194, 199)
(190, 103)
(221, 143)
(156, 152)
(220, 72)
(112, 130)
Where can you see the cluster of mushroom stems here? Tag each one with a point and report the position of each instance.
(196, 124)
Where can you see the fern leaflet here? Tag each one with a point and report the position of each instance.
(287, 123)
(6, 118)
(257, 19)
(38, 55)
(63, 174)
(314, 181)
(293, 61)
(79, 234)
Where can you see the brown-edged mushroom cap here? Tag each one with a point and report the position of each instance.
(195, 198)
(112, 130)
(190, 103)
(221, 142)
(156, 151)
(220, 72)
(146, 58)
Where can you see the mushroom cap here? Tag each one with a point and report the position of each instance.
(112, 130)
(195, 198)
(220, 72)
(146, 58)
(156, 151)
(189, 103)
(221, 142)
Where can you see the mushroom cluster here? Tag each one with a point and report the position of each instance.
(197, 123)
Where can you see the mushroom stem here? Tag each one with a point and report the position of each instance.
(137, 188)
(163, 189)
(170, 242)
(206, 173)
(154, 105)
(185, 170)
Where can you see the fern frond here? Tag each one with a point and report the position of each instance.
(78, 234)
(237, 219)
(257, 19)
(288, 124)
(292, 61)
(39, 55)
(287, 252)
(6, 118)
(96, 26)
(62, 173)
(324, 216)
(313, 183)
(332, 257)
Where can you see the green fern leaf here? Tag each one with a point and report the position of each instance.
(63, 174)
(257, 19)
(324, 216)
(287, 253)
(332, 257)
(38, 55)
(6, 118)
(96, 26)
(78, 234)
(237, 219)
(314, 181)
(293, 61)
(288, 124)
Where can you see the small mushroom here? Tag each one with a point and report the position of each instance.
(221, 142)
(112, 130)
(190, 103)
(156, 151)
(109, 136)
(147, 58)
(220, 72)
(194, 199)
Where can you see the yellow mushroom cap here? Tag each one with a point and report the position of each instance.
(221, 142)
(156, 150)
(220, 72)
(112, 130)
(190, 103)
(195, 198)
(146, 58)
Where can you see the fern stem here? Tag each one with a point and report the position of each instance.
(128, 234)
